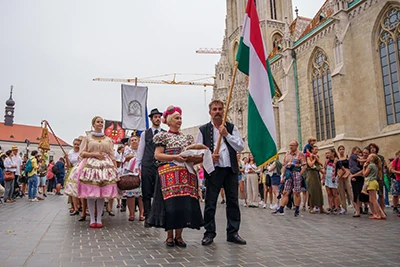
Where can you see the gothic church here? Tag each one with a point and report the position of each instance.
(338, 73)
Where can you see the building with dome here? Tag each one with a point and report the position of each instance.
(25, 137)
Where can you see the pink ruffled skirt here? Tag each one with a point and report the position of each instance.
(97, 179)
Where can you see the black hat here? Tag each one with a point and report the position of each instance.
(154, 111)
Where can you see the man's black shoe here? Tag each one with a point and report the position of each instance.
(207, 240)
(147, 225)
(236, 239)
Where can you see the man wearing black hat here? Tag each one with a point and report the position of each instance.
(145, 159)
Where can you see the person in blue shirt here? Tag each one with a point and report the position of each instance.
(60, 174)
(311, 142)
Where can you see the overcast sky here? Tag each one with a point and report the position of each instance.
(51, 49)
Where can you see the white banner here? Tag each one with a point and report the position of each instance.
(134, 103)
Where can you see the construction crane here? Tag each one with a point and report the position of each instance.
(196, 82)
(209, 51)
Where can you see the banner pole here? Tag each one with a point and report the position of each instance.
(228, 102)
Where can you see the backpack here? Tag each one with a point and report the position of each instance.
(392, 175)
(278, 166)
(54, 169)
(1, 175)
(28, 166)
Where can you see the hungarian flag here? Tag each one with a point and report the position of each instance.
(252, 61)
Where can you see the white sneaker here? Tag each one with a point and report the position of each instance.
(35, 200)
(316, 209)
(343, 211)
(261, 203)
(264, 206)
(244, 205)
(271, 207)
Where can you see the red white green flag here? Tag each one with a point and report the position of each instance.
(252, 61)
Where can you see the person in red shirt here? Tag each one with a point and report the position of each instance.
(50, 177)
(395, 169)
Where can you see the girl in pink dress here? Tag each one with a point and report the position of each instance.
(97, 172)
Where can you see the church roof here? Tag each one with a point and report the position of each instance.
(298, 26)
(322, 15)
(18, 133)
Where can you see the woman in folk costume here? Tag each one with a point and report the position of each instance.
(97, 172)
(175, 205)
(128, 167)
(71, 186)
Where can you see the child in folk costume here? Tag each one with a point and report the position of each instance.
(97, 172)
(71, 186)
(128, 167)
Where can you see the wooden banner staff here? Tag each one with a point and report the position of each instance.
(55, 136)
(228, 101)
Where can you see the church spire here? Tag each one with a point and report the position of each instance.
(9, 116)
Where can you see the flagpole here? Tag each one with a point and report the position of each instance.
(228, 101)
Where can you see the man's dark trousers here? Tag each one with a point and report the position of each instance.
(149, 174)
(222, 178)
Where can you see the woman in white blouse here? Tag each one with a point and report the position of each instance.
(252, 173)
(10, 166)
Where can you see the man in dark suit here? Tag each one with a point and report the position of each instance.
(146, 161)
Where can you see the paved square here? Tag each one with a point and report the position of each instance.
(43, 234)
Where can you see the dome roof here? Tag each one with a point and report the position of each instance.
(10, 102)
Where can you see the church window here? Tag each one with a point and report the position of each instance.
(389, 50)
(277, 41)
(323, 98)
(273, 9)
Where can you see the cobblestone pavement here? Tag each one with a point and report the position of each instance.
(43, 234)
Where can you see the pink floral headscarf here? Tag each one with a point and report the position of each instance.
(171, 112)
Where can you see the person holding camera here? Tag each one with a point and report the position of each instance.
(294, 165)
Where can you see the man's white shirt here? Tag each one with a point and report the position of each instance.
(234, 139)
(142, 145)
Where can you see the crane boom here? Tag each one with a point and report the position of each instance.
(209, 51)
(135, 80)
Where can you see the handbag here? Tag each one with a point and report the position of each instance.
(128, 181)
(8, 176)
